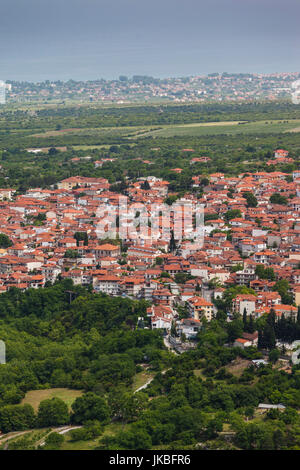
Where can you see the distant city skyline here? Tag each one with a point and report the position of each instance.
(89, 39)
(162, 78)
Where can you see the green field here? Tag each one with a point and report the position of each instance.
(92, 147)
(93, 132)
(182, 130)
(229, 128)
(34, 397)
(109, 430)
(141, 379)
(94, 138)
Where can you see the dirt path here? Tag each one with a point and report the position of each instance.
(149, 381)
(61, 430)
(12, 436)
(169, 346)
(144, 386)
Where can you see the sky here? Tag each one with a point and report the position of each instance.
(91, 39)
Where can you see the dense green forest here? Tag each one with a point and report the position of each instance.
(51, 342)
(96, 344)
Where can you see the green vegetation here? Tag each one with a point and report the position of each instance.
(34, 397)
(87, 345)
(250, 198)
(265, 273)
(224, 128)
(277, 198)
(90, 133)
(52, 412)
(79, 360)
(140, 379)
(5, 242)
(54, 441)
(91, 344)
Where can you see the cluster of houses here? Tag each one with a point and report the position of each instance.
(197, 88)
(53, 234)
(281, 156)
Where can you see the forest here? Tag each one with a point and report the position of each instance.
(97, 344)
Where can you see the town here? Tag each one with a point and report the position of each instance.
(149, 229)
(238, 87)
(249, 242)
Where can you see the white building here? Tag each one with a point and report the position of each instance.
(108, 285)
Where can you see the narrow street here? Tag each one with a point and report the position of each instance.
(169, 346)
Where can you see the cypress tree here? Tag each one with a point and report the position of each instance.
(251, 328)
(269, 336)
(260, 341)
(245, 319)
(271, 318)
(172, 245)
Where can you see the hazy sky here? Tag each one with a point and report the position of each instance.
(89, 39)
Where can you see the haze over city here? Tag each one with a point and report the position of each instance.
(89, 39)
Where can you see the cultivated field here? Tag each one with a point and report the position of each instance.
(34, 397)
(89, 138)
(238, 366)
(229, 128)
(173, 130)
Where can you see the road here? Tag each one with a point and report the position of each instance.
(149, 381)
(144, 386)
(61, 430)
(169, 346)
